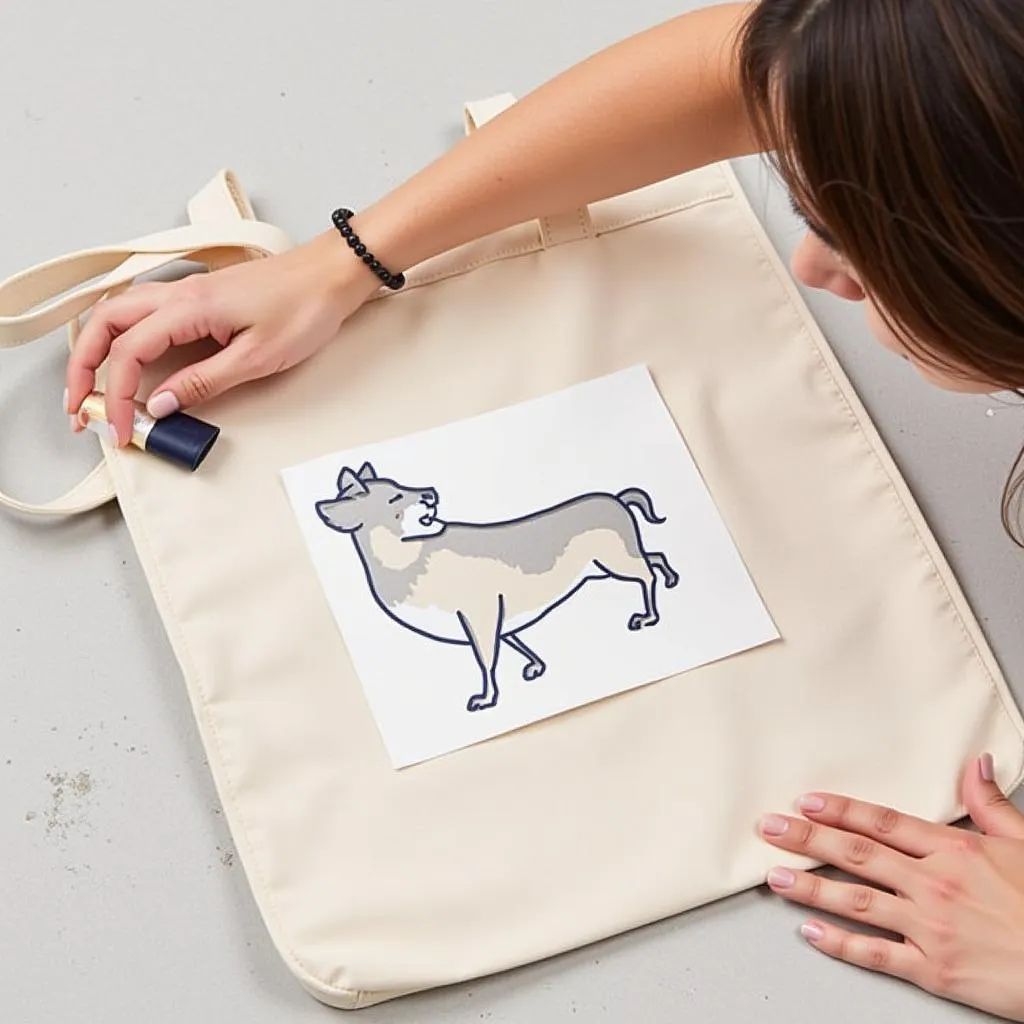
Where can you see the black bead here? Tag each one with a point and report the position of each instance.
(373, 264)
(368, 259)
(346, 230)
(353, 240)
(383, 274)
(360, 249)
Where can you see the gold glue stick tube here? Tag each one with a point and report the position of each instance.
(178, 438)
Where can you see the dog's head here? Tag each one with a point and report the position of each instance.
(366, 500)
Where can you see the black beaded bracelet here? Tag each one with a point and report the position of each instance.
(341, 222)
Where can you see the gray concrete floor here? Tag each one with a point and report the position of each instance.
(121, 897)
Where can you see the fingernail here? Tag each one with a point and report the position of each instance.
(162, 404)
(774, 825)
(812, 932)
(987, 766)
(780, 878)
(67, 402)
(813, 803)
(114, 439)
(73, 423)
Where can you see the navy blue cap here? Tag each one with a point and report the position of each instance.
(182, 439)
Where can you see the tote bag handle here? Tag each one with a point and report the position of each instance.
(222, 230)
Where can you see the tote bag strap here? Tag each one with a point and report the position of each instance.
(34, 302)
(557, 229)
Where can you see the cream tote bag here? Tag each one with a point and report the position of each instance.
(375, 883)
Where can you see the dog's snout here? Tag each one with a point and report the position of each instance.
(429, 497)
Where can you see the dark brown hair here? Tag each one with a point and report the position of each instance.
(898, 125)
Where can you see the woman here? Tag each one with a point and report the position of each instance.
(899, 127)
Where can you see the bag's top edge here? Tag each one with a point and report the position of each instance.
(662, 199)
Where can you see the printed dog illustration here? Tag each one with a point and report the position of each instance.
(483, 584)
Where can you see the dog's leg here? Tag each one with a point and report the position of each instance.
(656, 560)
(534, 667)
(484, 635)
(636, 570)
(649, 616)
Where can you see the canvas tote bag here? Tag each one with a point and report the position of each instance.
(375, 883)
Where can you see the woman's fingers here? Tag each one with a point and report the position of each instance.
(173, 324)
(899, 959)
(204, 380)
(987, 804)
(855, 854)
(109, 319)
(853, 902)
(135, 329)
(900, 831)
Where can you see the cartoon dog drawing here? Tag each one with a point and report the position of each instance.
(483, 584)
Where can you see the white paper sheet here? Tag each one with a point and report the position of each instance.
(421, 604)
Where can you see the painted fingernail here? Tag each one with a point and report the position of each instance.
(774, 825)
(813, 803)
(67, 402)
(74, 424)
(780, 878)
(987, 767)
(162, 404)
(812, 932)
(112, 431)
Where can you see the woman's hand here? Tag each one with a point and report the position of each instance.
(955, 896)
(268, 315)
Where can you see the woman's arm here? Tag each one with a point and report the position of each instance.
(655, 105)
(648, 108)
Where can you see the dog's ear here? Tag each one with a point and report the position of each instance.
(350, 485)
(339, 514)
(367, 473)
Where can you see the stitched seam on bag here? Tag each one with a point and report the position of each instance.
(949, 601)
(237, 197)
(664, 211)
(586, 225)
(192, 673)
(465, 268)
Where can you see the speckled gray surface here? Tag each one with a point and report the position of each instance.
(120, 893)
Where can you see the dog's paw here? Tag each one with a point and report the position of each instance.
(641, 620)
(534, 671)
(672, 581)
(481, 703)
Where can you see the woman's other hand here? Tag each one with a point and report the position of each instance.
(955, 897)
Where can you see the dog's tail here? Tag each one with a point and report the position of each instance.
(642, 500)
